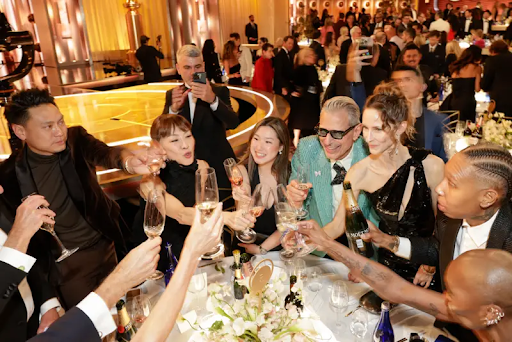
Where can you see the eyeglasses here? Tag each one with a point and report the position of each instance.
(338, 135)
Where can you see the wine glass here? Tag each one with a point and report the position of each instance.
(233, 172)
(314, 282)
(359, 324)
(140, 309)
(258, 204)
(302, 180)
(154, 220)
(299, 269)
(339, 301)
(154, 160)
(50, 228)
(207, 199)
(196, 285)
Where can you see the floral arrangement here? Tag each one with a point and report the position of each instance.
(260, 318)
(498, 130)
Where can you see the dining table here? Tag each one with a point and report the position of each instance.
(404, 319)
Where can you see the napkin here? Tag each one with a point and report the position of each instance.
(184, 321)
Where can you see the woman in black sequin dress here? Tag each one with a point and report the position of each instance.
(173, 134)
(399, 181)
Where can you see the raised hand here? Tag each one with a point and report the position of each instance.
(296, 195)
(203, 91)
(203, 237)
(314, 233)
(179, 96)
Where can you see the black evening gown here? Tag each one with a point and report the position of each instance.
(212, 67)
(463, 98)
(265, 224)
(180, 182)
(305, 110)
(238, 80)
(418, 219)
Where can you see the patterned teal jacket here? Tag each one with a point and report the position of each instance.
(319, 202)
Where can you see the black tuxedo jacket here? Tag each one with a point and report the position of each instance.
(475, 25)
(320, 53)
(435, 60)
(490, 31)
(438, 249)
(344, 48)
(283, 71)
(73, 326)
(251, 33)
(497, 80)
(209, 130)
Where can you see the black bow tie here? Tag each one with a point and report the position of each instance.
(340, 174)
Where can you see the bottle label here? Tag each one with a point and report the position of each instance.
(359, 243)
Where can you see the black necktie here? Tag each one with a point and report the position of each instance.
(340, 174)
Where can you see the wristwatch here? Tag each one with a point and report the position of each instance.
(263, 251)
(396, 244)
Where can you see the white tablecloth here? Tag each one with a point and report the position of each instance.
(404, 319)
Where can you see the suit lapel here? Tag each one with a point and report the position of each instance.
(73, 184)
(501, 228)
(448, 241)
(24, 175)
(321, 180)
(185, 112)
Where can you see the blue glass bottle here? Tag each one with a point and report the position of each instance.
(173, 263)
(384, 331)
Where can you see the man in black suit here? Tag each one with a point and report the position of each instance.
(487, 23)
(355, 33)
(208, 109)
(317, 46)
(384, 61)
(469, 23)
(147, 56)
(447, 11)
(283, 68)
(497, 78)
(60, 164)
(434, 53)
(379, 23)
(251, 31)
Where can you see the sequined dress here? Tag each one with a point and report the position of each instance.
(418, 219)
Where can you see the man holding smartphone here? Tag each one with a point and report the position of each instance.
(207, 108)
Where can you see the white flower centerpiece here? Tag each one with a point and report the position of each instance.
(498, 130)
(260, 318)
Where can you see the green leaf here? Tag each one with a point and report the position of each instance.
(217, 326)
(223, 313)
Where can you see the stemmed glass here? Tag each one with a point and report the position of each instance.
(302, 180)
(140, 309)
(50, 228)
(154, 160)
(154, 220)
(286, 221)
(359, 324)
(196, 285)
(207, 199)
(233, 172)
(339, 302)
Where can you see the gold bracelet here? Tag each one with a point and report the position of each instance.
(126, 168)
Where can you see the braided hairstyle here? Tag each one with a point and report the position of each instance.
(493, 164)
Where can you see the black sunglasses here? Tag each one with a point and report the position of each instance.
(338, 135)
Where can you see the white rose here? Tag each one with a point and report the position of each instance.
(265, 334)
(252, 326)
(267, 307)
(293, 313)
(239, 326)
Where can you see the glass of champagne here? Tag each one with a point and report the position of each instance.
(207, 199)
(233, 172)
(286, 220)
(302, 180)
(154, 220)
(154, 159)
(50, 228)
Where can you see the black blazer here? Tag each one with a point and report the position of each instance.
(251, 33)
(320, 53)
(283, 71)
(475, 25)
(384, 61)
(209, 130)
(147, 56)
(435, 60)
(339, 86)
(74, 326)
(497, 81)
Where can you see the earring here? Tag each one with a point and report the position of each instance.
(494, 316)
(280, 152)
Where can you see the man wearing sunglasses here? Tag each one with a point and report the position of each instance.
(330, 154)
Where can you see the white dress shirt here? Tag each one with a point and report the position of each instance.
(440, 25)
(398, 41)
(467, 25)
(98, 312)
(192, 105)
(486, 26)
(246, 65)
(337, 190)
(24, 262)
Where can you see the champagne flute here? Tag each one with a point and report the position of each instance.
(233, 172)
(339, 302)
(154, 160)
(154, 220)
(302, 180)
(286, 220)
(140, 309)
(207, 199)
(258, 204)
(50, 228)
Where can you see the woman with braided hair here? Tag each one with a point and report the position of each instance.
(475, 212)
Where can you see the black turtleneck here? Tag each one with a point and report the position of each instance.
(70, 226)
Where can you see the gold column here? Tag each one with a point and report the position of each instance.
(134, 27)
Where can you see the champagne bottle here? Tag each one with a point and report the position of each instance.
(238, 288)
(292, 297)
(468, 132)
(384, 331)
(478, 132)
(125, 330)
(356, 224)
(173, 263)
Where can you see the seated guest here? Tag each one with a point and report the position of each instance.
(173, 134)
(497, 79)
(411, 56)
(403, 196)
(478, 37)
(318, 49)
(477, 283)
(428, 125)
(433, 53)
(409, 35)
(330, 155)
(469, 23)
(474, 198)
(265, 162)
(487, 23)
(466, 72)
(208, 109)
(60, 164)
(453, 52)
(211, 62)
(263, 71)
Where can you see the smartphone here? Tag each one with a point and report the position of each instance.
(366, 43)
(200, 77)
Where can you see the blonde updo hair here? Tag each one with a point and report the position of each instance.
(394, 109)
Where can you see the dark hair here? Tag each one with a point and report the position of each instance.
(208, 48)
(494, 165)
(499, 47)
(263, 40)
(16, 110)
(416, 24)
(342, 15)
(317, 34)
(165, 125)
(408, 68)
(434, 33)
(471, 55)
(409, 47)
(350, 15)
(266, 46)
(329, 38)
(389, 24)
(393, 107)
(280, 167)
(234, 35)
(288, 37)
